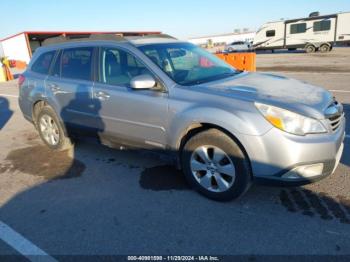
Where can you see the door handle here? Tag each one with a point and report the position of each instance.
(102, 95)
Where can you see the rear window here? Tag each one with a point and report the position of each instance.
(76, 63)
(324, 25)
(42, 64)
(298, 28)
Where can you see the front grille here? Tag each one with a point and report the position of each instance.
(334, 114)
(335, 121)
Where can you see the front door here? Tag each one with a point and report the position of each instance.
(131, 116)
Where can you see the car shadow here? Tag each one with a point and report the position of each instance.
(5, 111)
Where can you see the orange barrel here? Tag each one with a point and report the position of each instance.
(240, 61)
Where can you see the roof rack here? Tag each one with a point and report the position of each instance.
(155, 36)
(109, 37)
(63, 39)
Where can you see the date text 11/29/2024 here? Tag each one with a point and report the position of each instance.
(173, 258)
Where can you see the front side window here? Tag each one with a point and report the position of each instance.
(187, 64)
(324, 25)
(298, 28)
(42, 64)
(118, 67)
(270, 33)
(76, 63)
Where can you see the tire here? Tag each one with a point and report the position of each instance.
(324, 48)
(310, 49)
(208, 176)
(51, 130)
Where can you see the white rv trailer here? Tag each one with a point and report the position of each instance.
(314, 33)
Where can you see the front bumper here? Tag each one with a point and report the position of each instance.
(297, 175)
(285, 159)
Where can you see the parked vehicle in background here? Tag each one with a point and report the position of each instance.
(238, 46)
(313, 33)
(226, 128)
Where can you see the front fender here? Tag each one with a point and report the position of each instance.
(238, 124)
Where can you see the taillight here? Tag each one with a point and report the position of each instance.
(21, 80)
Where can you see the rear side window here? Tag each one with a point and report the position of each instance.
(324, 25)
(76, 63)
(42, 64)
(270, 33)
(298, 28)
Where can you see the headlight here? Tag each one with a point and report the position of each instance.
(290, 122)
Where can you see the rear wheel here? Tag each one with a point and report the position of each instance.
(310, 49)
(216, 166)
(324, 48)
(51, 130)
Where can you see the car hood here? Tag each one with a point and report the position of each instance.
(291, 94)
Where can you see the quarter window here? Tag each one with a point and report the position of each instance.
(324, 25)
(42, 64)
(298, 28)
(270, 33)
(118, 67)
(76, 63)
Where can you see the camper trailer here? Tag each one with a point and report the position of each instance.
(314, 33)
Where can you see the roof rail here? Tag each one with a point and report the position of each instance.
(63, 39)
(157, 36)
(109, 37)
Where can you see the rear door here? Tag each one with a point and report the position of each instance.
(134, 117)
(70, 86)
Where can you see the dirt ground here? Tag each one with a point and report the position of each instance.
(337, 61)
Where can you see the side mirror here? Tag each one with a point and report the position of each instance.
(142, 82)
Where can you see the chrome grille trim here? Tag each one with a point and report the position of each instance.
(334, 114)
(335, 122)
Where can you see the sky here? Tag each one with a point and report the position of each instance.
(181, 18)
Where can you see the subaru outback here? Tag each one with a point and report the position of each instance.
(226, 127)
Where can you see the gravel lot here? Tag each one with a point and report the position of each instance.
(107, 202)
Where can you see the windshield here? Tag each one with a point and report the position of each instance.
(187, 64)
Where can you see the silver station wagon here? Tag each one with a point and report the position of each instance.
(226, 127)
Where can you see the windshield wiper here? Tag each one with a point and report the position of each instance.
(212, 78)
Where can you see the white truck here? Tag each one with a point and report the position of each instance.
(313, 33)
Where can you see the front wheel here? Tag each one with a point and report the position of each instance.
(215, 165)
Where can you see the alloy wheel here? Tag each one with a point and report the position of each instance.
(49, 130)
(212, 168)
